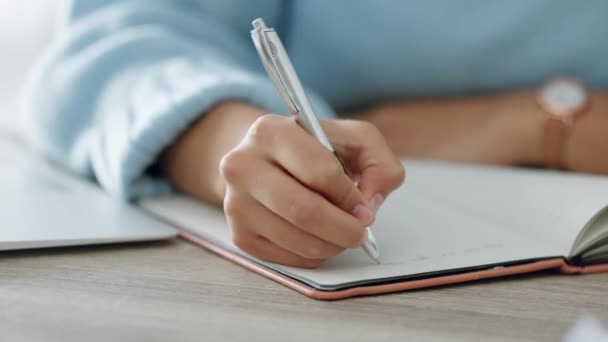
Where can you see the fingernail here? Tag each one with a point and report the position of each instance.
(363, 214)
(364, 238)
(377, 200)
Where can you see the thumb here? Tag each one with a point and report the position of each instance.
(378, 181)
(367, 155)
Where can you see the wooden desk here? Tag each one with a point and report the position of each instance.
(174, 291)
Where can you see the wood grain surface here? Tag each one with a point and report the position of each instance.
(175, 291)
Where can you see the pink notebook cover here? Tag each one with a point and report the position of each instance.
(560, 265)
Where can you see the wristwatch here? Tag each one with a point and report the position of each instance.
(563, 100)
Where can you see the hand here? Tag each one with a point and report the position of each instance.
(288, 199)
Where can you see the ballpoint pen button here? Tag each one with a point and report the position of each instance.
(258, 23)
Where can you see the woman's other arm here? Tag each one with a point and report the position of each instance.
(504, 129)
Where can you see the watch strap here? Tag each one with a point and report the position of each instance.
(553, 144)
(559, 119)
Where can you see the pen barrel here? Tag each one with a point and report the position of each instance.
(314, 127)
(297, 100)
(277, 63)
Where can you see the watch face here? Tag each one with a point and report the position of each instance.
(564, 97)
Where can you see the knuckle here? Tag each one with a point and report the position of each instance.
(241, 240)
(232, 165)
(265, 128)
(397, 173)
(231, 206)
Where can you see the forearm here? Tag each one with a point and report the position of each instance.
(498, 129)
(192, 162)
(478, 129)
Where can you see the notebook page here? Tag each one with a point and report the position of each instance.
(548, 206)
(416, 239)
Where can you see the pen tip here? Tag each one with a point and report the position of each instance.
(370, 247)
(373, 254)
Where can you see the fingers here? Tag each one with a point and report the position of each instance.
(316, 167)
(259, 221)
(290, 146)
(304, 208)
(263, 249)
(288, 199)
(363, 146)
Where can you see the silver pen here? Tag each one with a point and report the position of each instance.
(281, 72)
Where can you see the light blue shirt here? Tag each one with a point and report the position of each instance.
(124, 78)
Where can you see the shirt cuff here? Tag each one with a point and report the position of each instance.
(163, 104)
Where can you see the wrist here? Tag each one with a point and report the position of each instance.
(585, 148)
(191, 162)
(521, 121)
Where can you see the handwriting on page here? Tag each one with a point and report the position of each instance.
(444, 254)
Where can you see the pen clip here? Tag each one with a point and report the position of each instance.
(267, 52)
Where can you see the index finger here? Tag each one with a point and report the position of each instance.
(367, 154)
(318, 169)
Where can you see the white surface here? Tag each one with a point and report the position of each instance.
(26, 27)
(587, 329)
(445, 217)
(41, 206)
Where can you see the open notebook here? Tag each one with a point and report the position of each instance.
(448, 223)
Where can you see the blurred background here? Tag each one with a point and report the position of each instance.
(26, 26)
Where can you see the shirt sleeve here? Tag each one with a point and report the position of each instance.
(124, 78)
